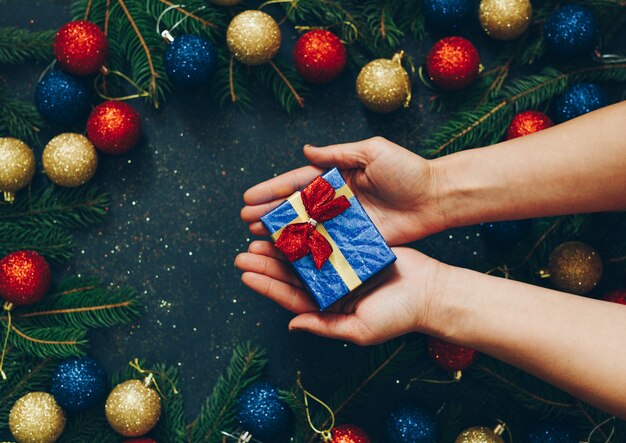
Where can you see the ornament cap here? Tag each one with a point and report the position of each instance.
(167, 36)
(9, 197)
(500, 428)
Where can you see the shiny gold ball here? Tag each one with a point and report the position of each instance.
(505, 19)
(133, 408)
(253, 37)
(226, 2)
(17, 166)
(383, 85)
(36, 418)
(70, 160)
(575, 267)
(478, 434)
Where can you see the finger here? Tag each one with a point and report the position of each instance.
(344, 156)
(265, 248)
(331, 325)
(289, 297)
(254, 213)
(282, 186)
(269, 266)
(258, 228)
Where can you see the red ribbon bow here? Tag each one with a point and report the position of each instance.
(299, 239)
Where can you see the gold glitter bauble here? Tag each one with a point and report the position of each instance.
(383, 85)
(253, 37)
(575, 267)
(478, 434)
(36, 418)
(505, 19)
(17, 166)
(226, 2)
(70, 159)
(133, 408)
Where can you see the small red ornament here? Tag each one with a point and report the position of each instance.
(349, 434)
(141, 440)
(80, 47)
(319, 56)
(25, 277)
(453, 63)
(616, 296)
(451, 357)
(527, 122)
(114, 127)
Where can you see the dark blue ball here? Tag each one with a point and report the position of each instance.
(552, 432)
(448, 15)
(506, 232)
(62, 98)
(571, 31)
(261, 411)
(78, 383)
(409, 423)
(190, 60)
(578, 99)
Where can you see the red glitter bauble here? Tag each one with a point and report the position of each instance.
(349, 434)
(319, 56)
(25, 277)
(453, 63)
(527, 122)
(449, 356)
(616, 296)
(114, 127)
(141, 440)
(81, 47)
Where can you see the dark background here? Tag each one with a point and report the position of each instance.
(174, 228)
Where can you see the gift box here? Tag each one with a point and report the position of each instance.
(329, 239)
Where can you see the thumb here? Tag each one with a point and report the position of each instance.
(337, 326)
(344, 156)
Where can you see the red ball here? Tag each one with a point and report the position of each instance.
(80, 47)
(319, 56)
(114, 127)
(449, 356)
(349, 434)
(453, 63)
(141, 440)
(25, 277)
(616, 296)
(527, 122)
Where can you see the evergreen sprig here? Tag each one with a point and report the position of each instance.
(21, 46)
(18, 118)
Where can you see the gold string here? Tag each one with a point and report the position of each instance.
(397, 57)
(271, 2)
(7, 307)
(151, 378)
(354, 36)
(104, 72)
(326, 434)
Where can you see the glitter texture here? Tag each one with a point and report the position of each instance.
(261, 411)
(226, 2)
(571, 31)
(505, 19)
(410, 423)
(505, 233)
(575, 267)
(36, 418)
(453, 63)
(141, 440)
(447, 15)
(80, 47)
(78, 383)
(190, 60)
(25, 277)
(319, 56)
(527, 122)
(553, 432)
(70, 159)
(132, 408)
(18, 165)
(383, 85)
(616, 296)
(577, 100)
(62, 98)
(478, 434)
(349, 434)
(114, 127)
(253, 37)
(450, 356)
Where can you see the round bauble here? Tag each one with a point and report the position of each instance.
(190, 60)
(575, 267)
(18, 166)
(261, 412)
(409, 423)
(505, 233)
(25, 277)
(527, 122)
(453, 63)
(62, 98)
(226, 2)
(36, 418)
(451, 357)
(552, 432)
(319, 56)
(571, 32)
(133, 408)
(447, 15)
(349, 434)
(80, 47)
(577, 100)
(478, 434)
(253, 37)
(505, 19)
(78, 383)
(616, 296)
(114, 127)
(141, 440)
(70, 160)
(383, 85)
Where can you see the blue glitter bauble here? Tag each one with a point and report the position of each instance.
(78, 383)
(190, 60)
(62, 98)
(578, 99)
(448, 15)
(571, 31)
(506, 232)
(261, 411)
(552, 432)
(409, 423)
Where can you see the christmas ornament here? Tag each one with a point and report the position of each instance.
(505, 19)
(447, 15)
(616, 296)
(571, 31)
(383, 85)
(577, 100)
(481, 434)
(78, 383)
(552, 432)
(18, 166)
(319, 56)
(62, 98)
(226, 2)
(527, 122)
(453, 63)
(451, 357)
(409, 423)
(574, 267)
(25, 278)
(80, 47)
(36, 418)
(253, 37)
(349, 434)
(133, 408)
(261, 412)
(505, 233)
(190, 60)
(114, 127)
(141, 440)
(70, 159)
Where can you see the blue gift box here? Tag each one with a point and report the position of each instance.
(359, 251)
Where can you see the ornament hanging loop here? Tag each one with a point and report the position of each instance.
(7, 307)
(166, 32)
(399, 57)
(325, 434)
(608, 59)
(244, 437)
(151, 379)
(100, 90)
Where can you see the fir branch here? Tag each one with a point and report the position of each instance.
(18, 118)
(89, 426)
(284, 82)
(47, 342)
(231, 82)
(22, 46)
(171, 426)
(53, 242)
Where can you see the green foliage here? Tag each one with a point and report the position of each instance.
(45, 342)
(21, 46)
(286, 84)
(18, 118)
(171, 426)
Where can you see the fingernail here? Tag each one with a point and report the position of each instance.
(309, 146)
